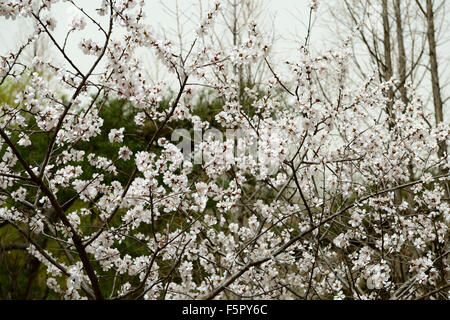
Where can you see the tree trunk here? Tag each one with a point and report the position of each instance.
(388, 70)
(401, 51)
(437, 98)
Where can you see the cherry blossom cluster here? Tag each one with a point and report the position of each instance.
(321, 195)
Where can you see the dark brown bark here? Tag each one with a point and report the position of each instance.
(437, 98)
(401, 51)
(388, 69)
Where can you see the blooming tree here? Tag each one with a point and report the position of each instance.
(307, 196)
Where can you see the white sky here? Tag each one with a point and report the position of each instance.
(288, 17)
(288, 20)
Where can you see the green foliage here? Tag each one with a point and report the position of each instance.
(22, 276)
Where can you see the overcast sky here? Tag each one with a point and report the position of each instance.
(286, 19)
